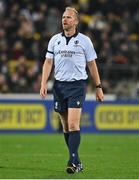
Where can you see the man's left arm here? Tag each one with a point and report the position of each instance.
(95, 75)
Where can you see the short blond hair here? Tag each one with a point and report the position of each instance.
(74, 10)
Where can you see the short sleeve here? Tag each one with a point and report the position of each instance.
(50, 49)
(89, 50)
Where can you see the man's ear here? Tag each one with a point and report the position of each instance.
(77, 22)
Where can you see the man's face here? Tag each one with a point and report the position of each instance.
(69, 20)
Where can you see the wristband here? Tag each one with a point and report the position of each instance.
(99, 86)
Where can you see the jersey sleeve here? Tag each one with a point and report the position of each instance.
(50, 49)
(90, 51)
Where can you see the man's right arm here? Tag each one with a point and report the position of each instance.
(46, 70)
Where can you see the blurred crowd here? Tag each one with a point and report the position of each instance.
(27, 25)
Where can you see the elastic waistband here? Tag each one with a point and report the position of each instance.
(71, 82)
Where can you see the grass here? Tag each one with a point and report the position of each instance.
(43, 156)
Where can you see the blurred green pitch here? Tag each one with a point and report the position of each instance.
(44, 156)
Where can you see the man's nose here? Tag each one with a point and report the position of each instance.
(64, 20)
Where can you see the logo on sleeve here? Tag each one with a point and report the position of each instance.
(76, 42)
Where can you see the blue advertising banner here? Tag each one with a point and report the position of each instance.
(38, 116)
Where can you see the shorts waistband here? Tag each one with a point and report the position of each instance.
(71, 82)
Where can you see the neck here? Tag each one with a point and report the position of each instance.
(69, 33)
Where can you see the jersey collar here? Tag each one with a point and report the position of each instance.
(74, 35)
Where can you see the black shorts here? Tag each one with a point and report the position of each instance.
(69, 95)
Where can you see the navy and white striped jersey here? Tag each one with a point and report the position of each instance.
(70, 55)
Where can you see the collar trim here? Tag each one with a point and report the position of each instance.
(74, 35)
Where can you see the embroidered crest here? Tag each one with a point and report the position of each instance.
(76, 42)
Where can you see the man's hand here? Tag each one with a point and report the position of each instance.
(99, 94)
(43, 92)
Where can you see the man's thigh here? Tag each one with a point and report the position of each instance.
(74, 116)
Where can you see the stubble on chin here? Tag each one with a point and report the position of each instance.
(65, 28)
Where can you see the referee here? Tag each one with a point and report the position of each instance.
(70, 52)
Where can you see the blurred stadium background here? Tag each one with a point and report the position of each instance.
(25, 29)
